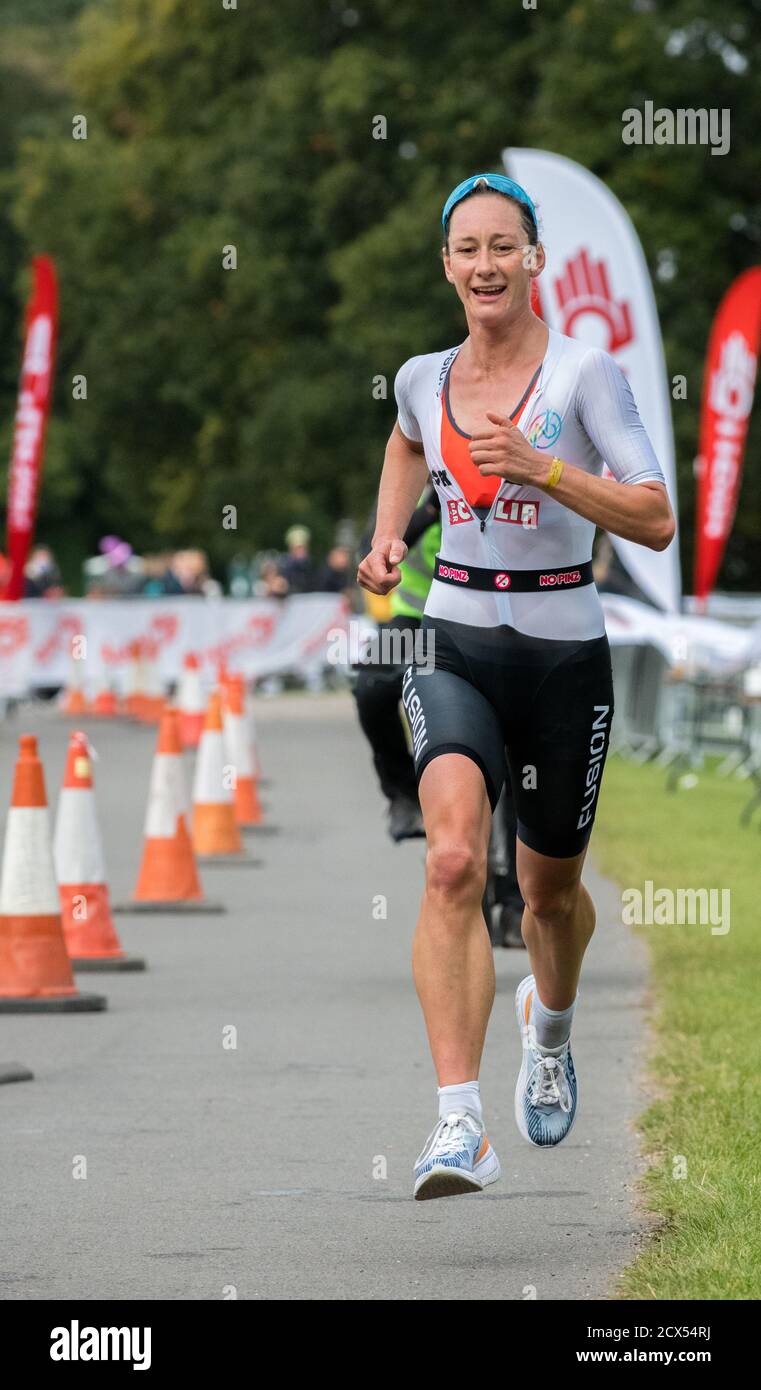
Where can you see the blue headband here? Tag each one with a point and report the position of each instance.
(498, 182)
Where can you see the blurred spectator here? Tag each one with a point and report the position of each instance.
(42, 577)
(334, 576)
(296, 567)
(116, 572)
(271, 583)
(159, 579)
(190, 568)
(239, 577)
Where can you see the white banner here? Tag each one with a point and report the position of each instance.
(48, 642)
(87, 642)
(596, 288)
(694, 645)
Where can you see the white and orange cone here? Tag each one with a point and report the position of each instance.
(248, 705)
(191, 703)
(248, 809)
(135, 680)
(89, 932)
(215, 831)
(73, 701)
(152, 703)
(35, 970)
(105, 704)
(168, 879)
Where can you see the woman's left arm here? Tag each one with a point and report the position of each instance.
(634, 503)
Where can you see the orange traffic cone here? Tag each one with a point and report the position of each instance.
(74, 703)
(73, 700)
(105, 706)
(35, 970)
(248, 810)
(248, 706)
(168, 879)
(191, 702)
(135, 677)
(91, 938)
(215, 833)
(152, 703)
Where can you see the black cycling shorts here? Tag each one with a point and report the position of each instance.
(547, 704)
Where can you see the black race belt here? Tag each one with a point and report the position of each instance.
(513, 581)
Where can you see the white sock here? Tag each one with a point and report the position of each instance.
(464, 1098)
(553, 1026)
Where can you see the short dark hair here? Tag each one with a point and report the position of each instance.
(527, 221)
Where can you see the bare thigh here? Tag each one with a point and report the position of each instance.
(455, 805)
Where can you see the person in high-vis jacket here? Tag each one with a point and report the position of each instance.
(378, 688)
(378, 691)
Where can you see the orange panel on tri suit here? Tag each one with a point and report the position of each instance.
(477, 490)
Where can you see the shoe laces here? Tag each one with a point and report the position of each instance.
(449, 1135)
(547, 1083)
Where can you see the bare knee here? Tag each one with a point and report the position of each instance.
(552, 906)
(455, 871)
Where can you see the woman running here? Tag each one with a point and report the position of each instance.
(513, 425)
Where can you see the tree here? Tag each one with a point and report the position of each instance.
(319, 141)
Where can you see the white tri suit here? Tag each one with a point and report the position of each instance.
(521, 659)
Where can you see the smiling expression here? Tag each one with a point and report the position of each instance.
(487, 259)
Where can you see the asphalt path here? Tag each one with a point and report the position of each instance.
(282, 1167)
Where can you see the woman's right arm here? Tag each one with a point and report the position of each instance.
(403, 478)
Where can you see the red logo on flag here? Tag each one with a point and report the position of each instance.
(730, 376)
(584, 288)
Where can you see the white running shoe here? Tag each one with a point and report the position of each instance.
(457, 1158)
(546, 1091)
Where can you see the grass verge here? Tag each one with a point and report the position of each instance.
(702, 1130)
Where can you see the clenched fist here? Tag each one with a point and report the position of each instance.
(379, 571)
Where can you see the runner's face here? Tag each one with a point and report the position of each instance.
(487, 261)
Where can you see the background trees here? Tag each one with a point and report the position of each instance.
(254, 128)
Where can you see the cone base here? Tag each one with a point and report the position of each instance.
(89, 963)
(95, 936)
(171, 905)
(13, 1071)
(214, 830)
(63, 1004)
(34, 962)
(104, 706)
(168, 870)
(248, 810)
(227, 861)
(75, 707)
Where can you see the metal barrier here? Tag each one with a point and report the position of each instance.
(677, 719)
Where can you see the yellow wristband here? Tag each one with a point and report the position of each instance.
(556, 472)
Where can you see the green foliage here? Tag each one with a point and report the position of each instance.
(255, 128)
